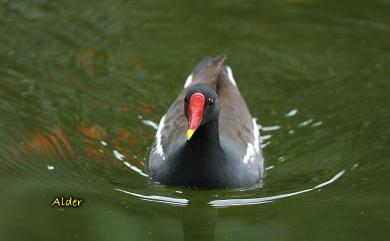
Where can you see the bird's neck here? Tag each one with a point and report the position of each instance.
(206, 138)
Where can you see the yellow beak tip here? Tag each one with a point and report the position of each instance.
(189, 134)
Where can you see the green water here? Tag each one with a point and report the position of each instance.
(80, 82)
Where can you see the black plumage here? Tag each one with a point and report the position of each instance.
(224, 152)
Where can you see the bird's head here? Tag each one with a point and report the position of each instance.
(200, 106)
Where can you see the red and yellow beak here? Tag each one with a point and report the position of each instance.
(195, 111)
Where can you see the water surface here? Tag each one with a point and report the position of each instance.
(82, 84)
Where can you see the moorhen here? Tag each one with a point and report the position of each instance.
(207, 138)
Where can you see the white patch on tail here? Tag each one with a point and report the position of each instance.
(230, 75)
(188, 81)
(253, 149)
(159, 148)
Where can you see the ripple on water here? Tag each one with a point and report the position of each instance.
(241, 197)
(116, 169)
(221, 203)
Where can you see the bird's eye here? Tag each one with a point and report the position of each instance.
(211, 102)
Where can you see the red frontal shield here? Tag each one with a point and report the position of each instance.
(195, 111)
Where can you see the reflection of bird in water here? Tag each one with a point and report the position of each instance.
(198, 222)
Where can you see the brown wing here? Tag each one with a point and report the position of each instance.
(235, 121)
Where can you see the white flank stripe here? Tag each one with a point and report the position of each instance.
(256, 134)
(188, 81)
(253, 149)
(159, 149)
(230, 74)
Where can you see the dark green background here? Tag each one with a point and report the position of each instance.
(76, 73)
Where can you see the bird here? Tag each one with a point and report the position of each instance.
(207, 139)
